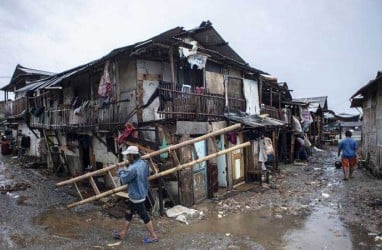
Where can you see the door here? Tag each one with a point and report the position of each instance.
(237, 163)
(221, 163)
(200, 172)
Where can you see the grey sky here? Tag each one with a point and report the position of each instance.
(320, 48)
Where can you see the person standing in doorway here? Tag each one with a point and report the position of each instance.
(348, 148)
(136, 176)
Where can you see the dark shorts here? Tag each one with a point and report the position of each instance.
(138, 208)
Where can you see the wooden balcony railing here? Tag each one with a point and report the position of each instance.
(190, 103)
(64, 119)
(88, 117)
(16, 107)
(272, 112)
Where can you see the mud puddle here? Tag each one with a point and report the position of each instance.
(322, 229)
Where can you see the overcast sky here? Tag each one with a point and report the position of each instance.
(320, 48)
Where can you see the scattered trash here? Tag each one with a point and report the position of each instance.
(377, 238)
(178, 209)
(372, 234)
(201, 215)
(114, 244)
(278, 216)
(182, 218)
(325, 195)
(317, 149)
(228, 234)
(220, 216)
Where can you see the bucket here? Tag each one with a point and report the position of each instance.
(338, 164)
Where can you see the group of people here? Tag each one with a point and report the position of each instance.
(347, 149)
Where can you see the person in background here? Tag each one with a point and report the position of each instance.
(308, 145)
(136, 176)
(348, 148)
(300, 152)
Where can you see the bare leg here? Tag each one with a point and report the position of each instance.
(351, 169)
(150, 228)
(123, 232)
(125, 226)
(345, 170)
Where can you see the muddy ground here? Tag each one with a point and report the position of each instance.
(304, 206)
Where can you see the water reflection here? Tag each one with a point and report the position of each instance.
(323, 229)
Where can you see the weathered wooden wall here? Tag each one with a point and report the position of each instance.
(372, 130)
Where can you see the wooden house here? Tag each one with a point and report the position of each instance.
(369, 98)
(167, 89)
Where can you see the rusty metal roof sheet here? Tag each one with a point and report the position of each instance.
(370, 84)
(254, 121)
(205, 34)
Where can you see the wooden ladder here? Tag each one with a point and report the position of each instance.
(170, 149)
(49, 142)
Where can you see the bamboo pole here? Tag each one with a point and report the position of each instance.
(152, 154)
(163, 173)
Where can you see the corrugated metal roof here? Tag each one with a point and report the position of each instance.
(52, 80)
(33, 71)
(21, 72)
(370, 84)
(209, 38)
(205, 34)
(314, 102)
(253, 120)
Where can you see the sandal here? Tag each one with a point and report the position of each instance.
(149, 240)
(117, 235)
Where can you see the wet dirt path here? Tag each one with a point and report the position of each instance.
(304, 207)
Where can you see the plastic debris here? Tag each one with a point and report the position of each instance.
(325, 195)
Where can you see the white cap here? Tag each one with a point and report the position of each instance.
(132, 150)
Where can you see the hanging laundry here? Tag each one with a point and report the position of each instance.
(105, 87)
(197, 60)
(164, 145)
(129, 129)
(232, 137)
(263, 157)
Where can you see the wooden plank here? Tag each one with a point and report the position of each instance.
(213, 144)
(153, 166)
(94, 185)
(112, 178)
(175, 157)
(140, 147)
(78, 190)
(149, 77)
(50, 158)
(122, 194)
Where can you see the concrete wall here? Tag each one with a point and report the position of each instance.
(33, 150)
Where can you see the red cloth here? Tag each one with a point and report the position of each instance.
(129, 129)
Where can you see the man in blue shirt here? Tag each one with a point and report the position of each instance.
(136, 177)
(348, 147)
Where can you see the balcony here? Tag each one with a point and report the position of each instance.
(272, 112)
(91, 117)
(15, 108)
(192, 103)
